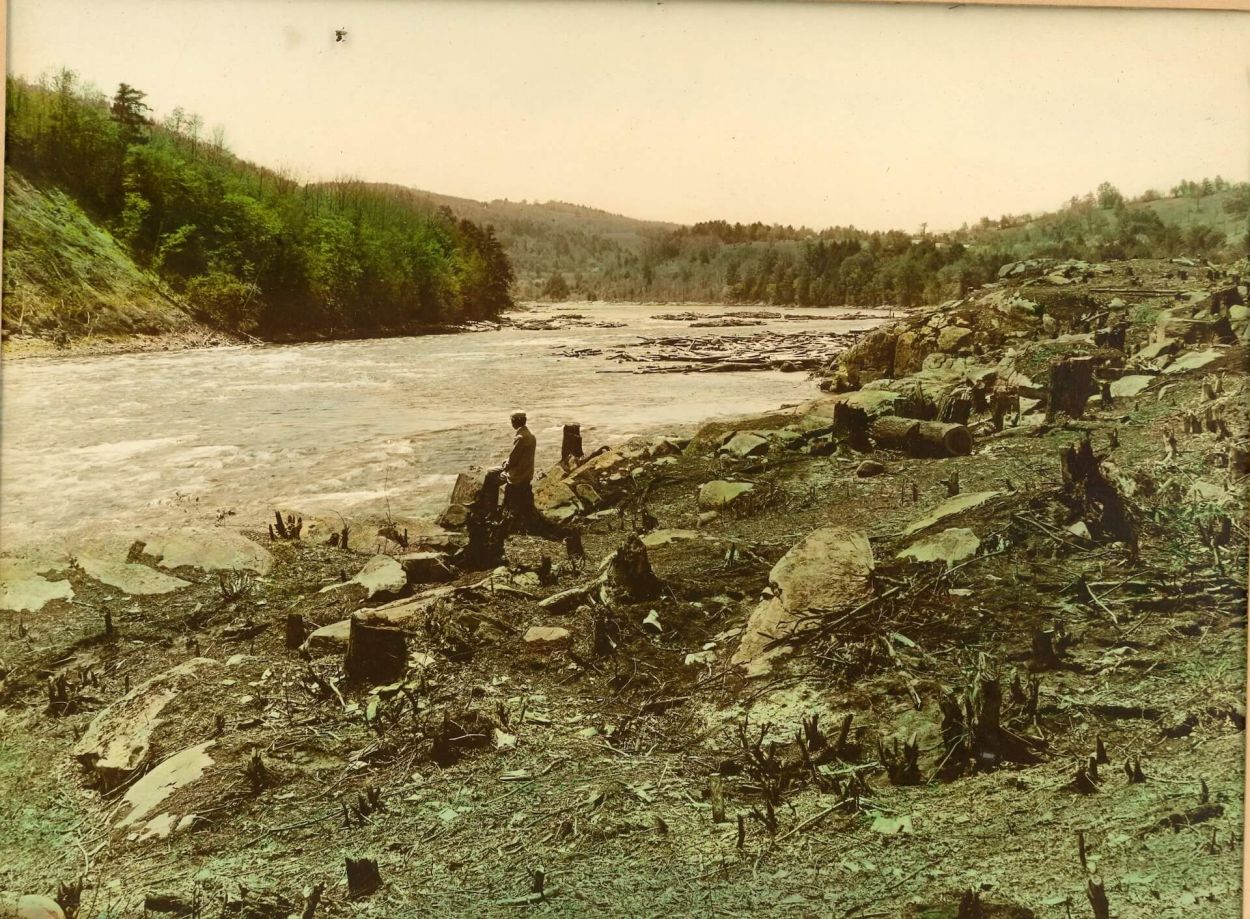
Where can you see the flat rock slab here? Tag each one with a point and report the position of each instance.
(1193, 360)
(24, 589)
(205, 548)
(118, 743)
(151, 791)
(827, 570)
(130, 577)
(744, 444)
(949, 546)
(949, 508)
(547, 638)
(1131, 385)
(720, 494)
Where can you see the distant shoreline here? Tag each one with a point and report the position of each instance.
(19, 348)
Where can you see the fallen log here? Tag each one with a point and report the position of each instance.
(920, 438)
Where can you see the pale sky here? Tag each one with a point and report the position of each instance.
(877, 116)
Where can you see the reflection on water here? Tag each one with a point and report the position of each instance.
(342, 426)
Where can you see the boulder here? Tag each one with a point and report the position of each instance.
(869, 468)
(463, 493)
(121, 739)
(910, 350)
(949, 546)
(547, 638)
(872, 357)
(30, 906)
(744, 444)
(719, 494)
(130, 577)
(829, 569)
(382, 577)
(954, 338)
(714, 432)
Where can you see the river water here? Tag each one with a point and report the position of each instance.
(345, 427)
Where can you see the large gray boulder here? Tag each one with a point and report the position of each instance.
(720, 494)
(829, 569)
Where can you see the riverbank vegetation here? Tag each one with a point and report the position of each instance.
(235, 244)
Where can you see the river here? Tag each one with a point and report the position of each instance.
(345, 427)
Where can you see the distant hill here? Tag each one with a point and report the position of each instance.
(561, 251)
(581, 244)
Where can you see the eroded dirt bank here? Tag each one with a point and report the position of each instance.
(863, 681)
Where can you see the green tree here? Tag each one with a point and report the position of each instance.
(130, 112)
(556, 288)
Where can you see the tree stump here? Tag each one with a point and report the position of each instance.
(571, 446)
(375, 653)
(296, 630)
(1071, 384)
(956, 406)
(628, 575)
(363, 877)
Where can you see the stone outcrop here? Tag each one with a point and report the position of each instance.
(826, 571)
(124, 738)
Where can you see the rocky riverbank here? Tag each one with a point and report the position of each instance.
(828, 660)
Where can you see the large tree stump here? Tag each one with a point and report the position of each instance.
(1071, 385)
(627, 575)
(571, 446)
(956, 406)
(375, 653)
(363, 877)
(1093, 498)
(296, 630)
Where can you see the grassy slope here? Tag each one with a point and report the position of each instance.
(65, 273)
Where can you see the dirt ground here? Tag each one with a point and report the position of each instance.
(499, 778)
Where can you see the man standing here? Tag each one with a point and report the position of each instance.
(517, 472)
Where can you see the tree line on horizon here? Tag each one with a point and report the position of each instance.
(247, 248)
(775, 264)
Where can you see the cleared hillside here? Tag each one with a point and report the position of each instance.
(66, 276)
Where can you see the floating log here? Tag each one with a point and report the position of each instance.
(375, 653)
(921, 438)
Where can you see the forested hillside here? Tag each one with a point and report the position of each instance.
(555, 239)
(561, 251)
(241, 247)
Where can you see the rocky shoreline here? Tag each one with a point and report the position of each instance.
(828, 658)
